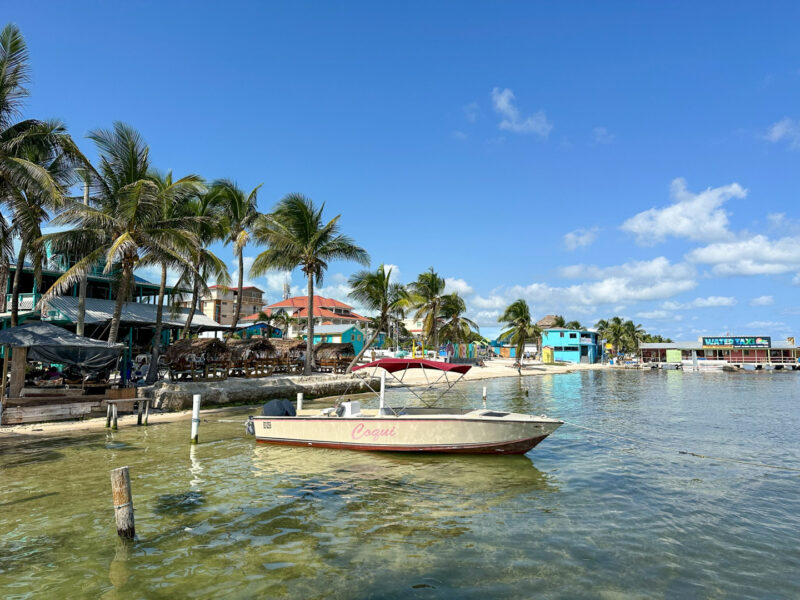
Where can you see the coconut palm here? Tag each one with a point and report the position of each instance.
(573, 325)
(559, 322)
(425, 295)
(612, 331)
(124, 223)
(36, 160)
(297, 236)
(633, 335)
(520, 327)
(375, 291)
(209, 227)
(454, 326)
(173, 198)
(241, 212)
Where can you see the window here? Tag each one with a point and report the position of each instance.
(572, 336)
(572, 348)
(561, 334)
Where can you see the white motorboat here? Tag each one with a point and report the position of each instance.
(408, 429)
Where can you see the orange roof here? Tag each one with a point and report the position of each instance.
(328, 314)
(302, 301)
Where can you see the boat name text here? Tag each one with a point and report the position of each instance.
(360, 432)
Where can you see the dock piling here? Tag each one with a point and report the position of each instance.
(146, 411)
(109, 410)
(195, 417)
(383, 390)
(484, 396)
(114, 413)
(123, 502)
(139, 412)
(299, 401)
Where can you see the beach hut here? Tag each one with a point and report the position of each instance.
(203, 359)
(288, 355)
(333, 357)
(251, 357)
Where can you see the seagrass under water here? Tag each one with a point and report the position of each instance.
(583, 515)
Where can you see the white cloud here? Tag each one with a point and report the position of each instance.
(762, 301)
(459, 286)
(768, 325)
(458, 135)
(697, 217)
(708, 302)
(580, 238)
(471, 112)
(602, 135)
(395, 275)
(659, 315)
(247, 261)
(659, 268)
(152, 273)
(756, 255)
(785, 130)
(537, 123)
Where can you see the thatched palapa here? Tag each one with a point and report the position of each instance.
(287, 348)
(328, 351)
(252, 349)
(210, 350)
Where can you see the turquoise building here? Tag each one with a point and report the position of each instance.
(573, 345)
(339, 334)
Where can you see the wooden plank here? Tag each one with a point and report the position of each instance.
(17, 415)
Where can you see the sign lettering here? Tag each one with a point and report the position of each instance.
(737, 342)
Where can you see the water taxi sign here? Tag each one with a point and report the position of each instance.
(737, 342)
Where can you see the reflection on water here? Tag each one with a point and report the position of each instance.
(583, 515)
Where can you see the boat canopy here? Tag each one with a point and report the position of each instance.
(392, 365)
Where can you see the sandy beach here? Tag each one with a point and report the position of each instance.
(500, 367)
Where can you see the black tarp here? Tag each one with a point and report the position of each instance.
(48, 343)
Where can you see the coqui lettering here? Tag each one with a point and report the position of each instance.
(360, 432)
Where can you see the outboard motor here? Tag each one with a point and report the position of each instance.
(249, 426)
(278, 408)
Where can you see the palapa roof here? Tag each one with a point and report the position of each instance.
(547, 322)
(284, 347)
(327, 350)
(243, 349)
(208, 348)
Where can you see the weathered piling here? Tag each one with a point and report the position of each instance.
(114, 412)
(109, 410)
(139, 411)
(299, 401)
(123, 502)
(195, 417)
(484, 396)
(146, 411)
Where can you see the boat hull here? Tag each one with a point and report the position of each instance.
(460, 435)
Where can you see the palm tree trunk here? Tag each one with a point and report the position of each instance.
(23, 249)
(310, 328)
(190, 316)
(122, 294)
(152, 372)
(3, 282)
(366, 345)
(79, 328)
(238, 310)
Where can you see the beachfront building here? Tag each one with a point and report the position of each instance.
(414, 327)
(219, 304)
(339, 334)
(716, 352)
(572, 345)
(327, 311)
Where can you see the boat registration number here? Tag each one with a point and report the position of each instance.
(266, 424)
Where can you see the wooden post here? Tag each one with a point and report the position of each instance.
(109, 411)
(6, 350)
(146, 410)
(195, 417)
(18, 361)
(484, 396)
(123, 502)
(139, 410)
(382, 397)
(299, 401)
(114, 417)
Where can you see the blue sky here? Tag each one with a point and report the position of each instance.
(638, 159)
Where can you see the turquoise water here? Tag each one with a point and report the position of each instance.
(584, 515)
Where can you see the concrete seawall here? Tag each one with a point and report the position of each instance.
(178, 395)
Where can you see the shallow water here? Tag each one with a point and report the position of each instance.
(584, 515)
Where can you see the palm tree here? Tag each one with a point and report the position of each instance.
(36, 159)
(124, 224)
(375, 291)
(283, 321)
(633, 335)
(425, 295)
(209, 227)
(612, 331)
(520, 327)
(455, 327)
(173, 198)
(559, 322)
(298, 237)
(573, 325)
(241, 212)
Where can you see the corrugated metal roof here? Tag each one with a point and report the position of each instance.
(776, 345)
(100, 311)
(333, 328)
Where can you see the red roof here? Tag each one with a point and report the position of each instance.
(301, 301)
(392, 365)
(329, 314)
(234, 288)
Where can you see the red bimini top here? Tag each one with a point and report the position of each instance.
(392, 365)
